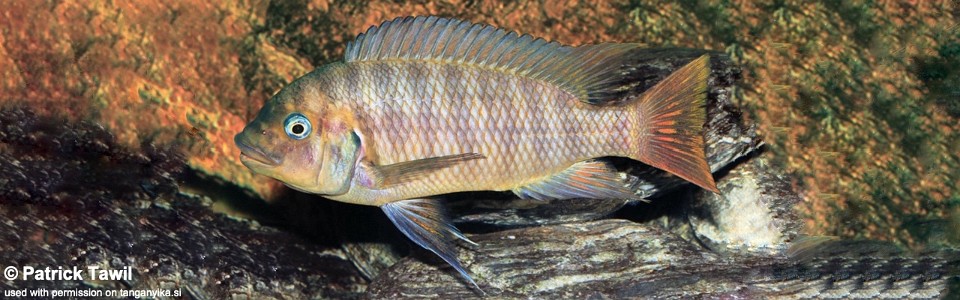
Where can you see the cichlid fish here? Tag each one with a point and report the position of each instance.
(426, 106)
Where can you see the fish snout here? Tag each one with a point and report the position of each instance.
(250, 152)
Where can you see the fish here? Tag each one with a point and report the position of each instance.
(426, 106)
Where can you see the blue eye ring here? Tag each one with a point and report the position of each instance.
(297, 126)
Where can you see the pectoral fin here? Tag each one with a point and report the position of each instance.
(587, 179)
(402, 172)
(425, 222)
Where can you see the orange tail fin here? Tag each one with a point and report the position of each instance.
(671, 130)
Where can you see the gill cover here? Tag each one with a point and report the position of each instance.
(339, 159)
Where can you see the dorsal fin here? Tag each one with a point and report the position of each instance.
(594, 73)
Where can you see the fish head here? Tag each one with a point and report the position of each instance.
(302, 139)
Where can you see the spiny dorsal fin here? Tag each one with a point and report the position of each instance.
(591, 72)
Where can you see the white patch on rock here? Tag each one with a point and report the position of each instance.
(740, 219)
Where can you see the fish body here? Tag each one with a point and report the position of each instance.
(524, 128)
(429, 106)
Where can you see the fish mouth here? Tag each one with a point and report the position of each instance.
(255, 155)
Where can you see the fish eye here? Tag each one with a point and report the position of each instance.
(297, 126)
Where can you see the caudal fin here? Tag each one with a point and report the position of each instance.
(672, 115)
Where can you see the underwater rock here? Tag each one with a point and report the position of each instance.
(167, 71)
(364, 234)
(71, 196)
(726, 137)
(616, 259)
(742, 243)
(754, 213)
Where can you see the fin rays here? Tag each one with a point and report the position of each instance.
(588, 179)
(591, 72)
(426, 224)
(672, 114)
(411, 170)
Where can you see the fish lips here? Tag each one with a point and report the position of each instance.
(250, 154)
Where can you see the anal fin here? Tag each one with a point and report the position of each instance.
(587, 179)
(425, 223)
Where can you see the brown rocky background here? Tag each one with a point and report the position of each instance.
(858, 100)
